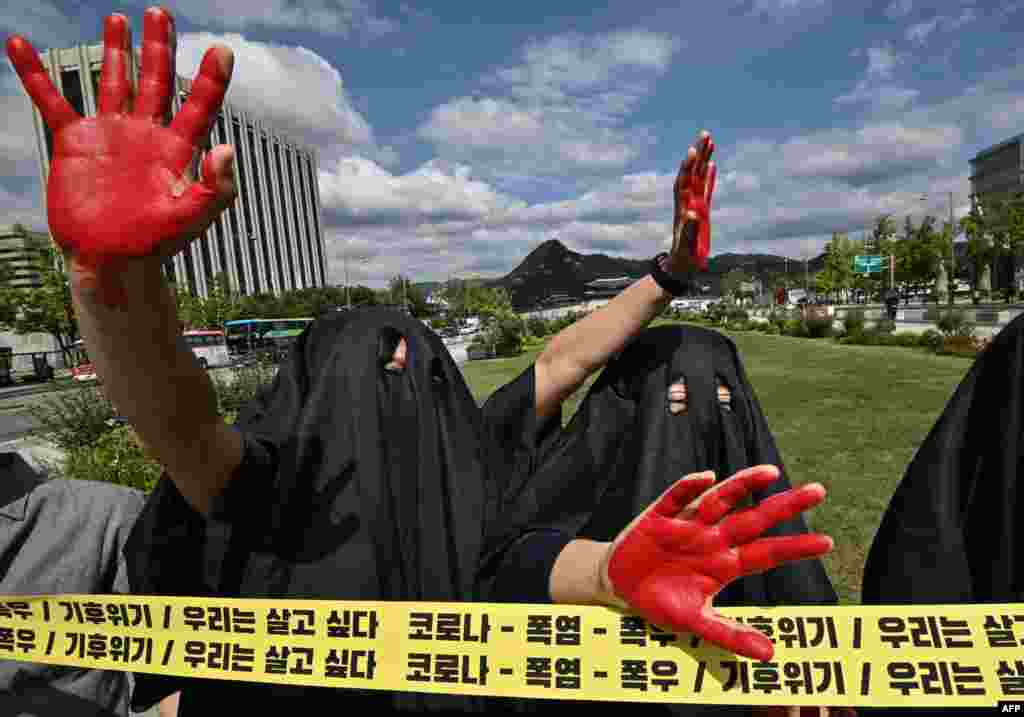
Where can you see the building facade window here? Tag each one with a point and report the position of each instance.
(276, 239)
(286, 239)
(317, 237)
(72, 88)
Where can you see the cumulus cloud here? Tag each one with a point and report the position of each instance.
(774, 7)
(292, 88)
(920, 32)
(560, 109)
(899, 8)
(329, 17)
(359, 191)
(876, 88)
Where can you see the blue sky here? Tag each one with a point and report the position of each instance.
(454, 137)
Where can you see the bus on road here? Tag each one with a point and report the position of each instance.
(209, 347)
(248, 335)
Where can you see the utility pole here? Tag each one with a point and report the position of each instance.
(952, 254)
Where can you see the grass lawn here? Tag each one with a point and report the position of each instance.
(849, 417)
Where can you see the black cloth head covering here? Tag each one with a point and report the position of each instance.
(623, 449)
(952, 532)
(379, 490)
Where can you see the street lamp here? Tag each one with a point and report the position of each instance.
(952, 248)
(362, 259)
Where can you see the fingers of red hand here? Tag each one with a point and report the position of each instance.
(732, 636)
(769, 553)
(56, 111)
(156, 77)
(675, 499)
(709, 186)
(196, 117)
(115, 83)
(745, 525)
(721, 499)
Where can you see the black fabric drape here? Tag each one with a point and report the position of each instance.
(623, 448)
(952, 532)
(372, 486)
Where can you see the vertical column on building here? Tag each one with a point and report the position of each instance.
(233, 229)
(256, 277)
(320, 242)
(277, 196)
(271, 279)
(301, 233)
(306, 199)
(288, 199)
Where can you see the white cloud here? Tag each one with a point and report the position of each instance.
(920, 32)
(899, 8)
(1006, 115)
(784, 6)
(362, 191)
(560, 109)
(292, 88)
(328, 17)
(876, 88)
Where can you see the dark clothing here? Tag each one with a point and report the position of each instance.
(624, 448)
(59, 537)
(357, 484)
(952, 532)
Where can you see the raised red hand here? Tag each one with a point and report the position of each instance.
(694, 188)
(121, 184)
(677, 555)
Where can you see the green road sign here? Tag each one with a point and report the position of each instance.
(868, 264)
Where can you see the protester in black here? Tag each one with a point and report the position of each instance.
(630, 438)
(952, 532)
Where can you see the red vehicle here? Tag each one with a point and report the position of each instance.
(83, 369)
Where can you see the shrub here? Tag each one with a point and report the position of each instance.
(931, 339)
(246, 383)
(537, 326)
(690, 316)
(853, 322)
(74, 418)
(772, 329)
(737, 325)
(736, 313)
(818, 327)
(954, 323)
(884, 327)
(794, 327)
(117, 457)
(717, 313)
(932, 314)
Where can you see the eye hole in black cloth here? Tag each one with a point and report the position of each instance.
(387, 342)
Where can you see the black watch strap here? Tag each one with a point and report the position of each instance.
(672, 284)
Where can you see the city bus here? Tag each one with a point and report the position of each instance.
(248, 335)
(209, 347)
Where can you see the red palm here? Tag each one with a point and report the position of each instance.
(677, 555)
(120, 184)
(693, 191)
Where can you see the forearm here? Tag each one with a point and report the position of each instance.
(587, 345)
(152, 378)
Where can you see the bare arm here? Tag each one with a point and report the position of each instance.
(169, 706)
(153, 378)
(121, 194)
(583, 348)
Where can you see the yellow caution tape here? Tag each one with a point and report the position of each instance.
(916, 656)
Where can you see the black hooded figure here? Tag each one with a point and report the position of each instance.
(952, 532)
(357, 483)
(624, 447)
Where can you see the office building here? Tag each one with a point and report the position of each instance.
(271, 239)
(998, 173)
(999, 170)
(19, 252)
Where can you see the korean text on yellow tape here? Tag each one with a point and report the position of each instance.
(919, 656)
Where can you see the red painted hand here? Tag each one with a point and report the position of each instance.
(121, 184)
(683, 550)
(694, 188)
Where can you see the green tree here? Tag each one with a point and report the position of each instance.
(46, 308)
(732, 282)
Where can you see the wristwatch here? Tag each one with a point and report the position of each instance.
(672, 284)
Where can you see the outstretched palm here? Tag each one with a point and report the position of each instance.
(141, 198)
(676, 556)
(693, 191)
